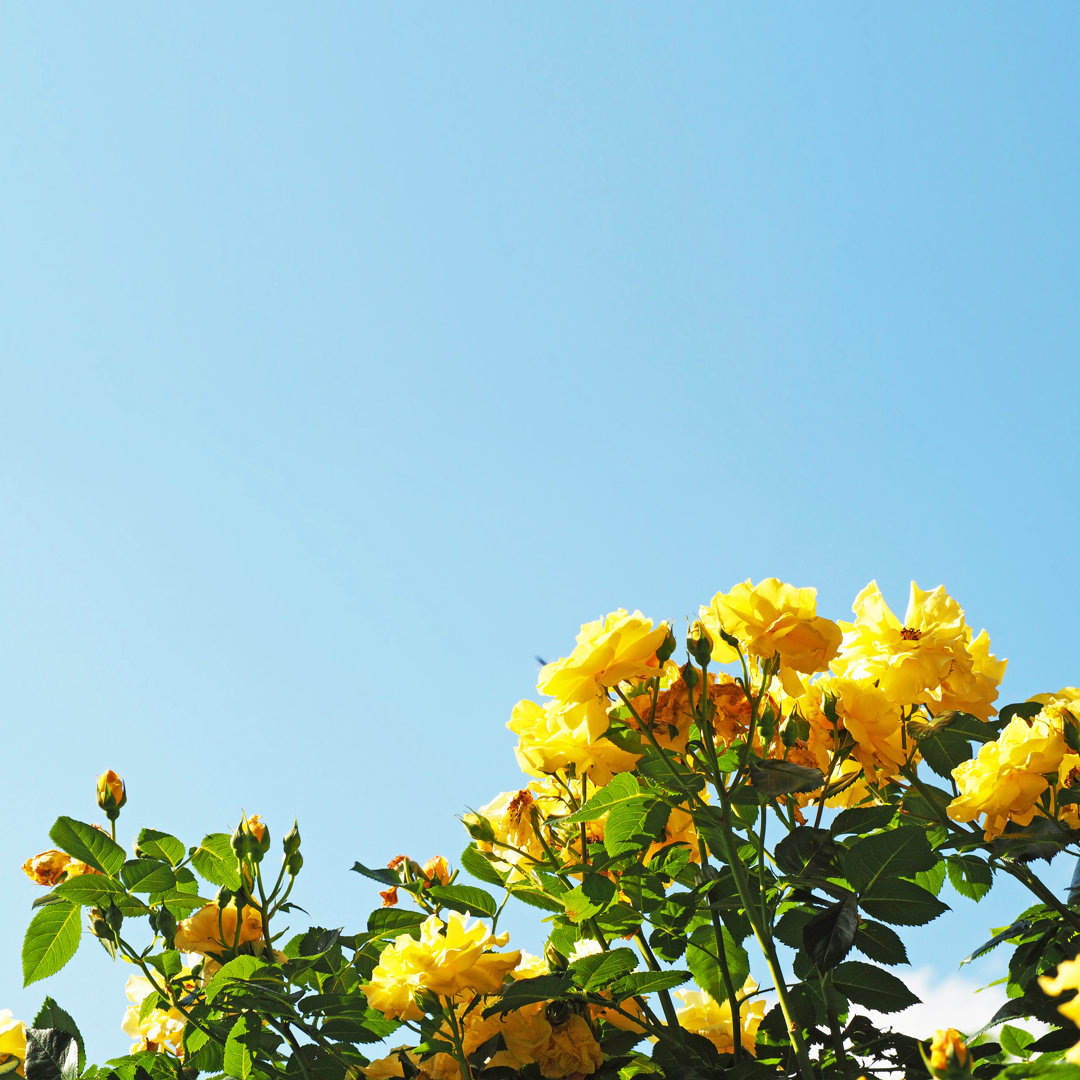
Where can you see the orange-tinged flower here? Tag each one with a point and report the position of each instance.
(52, 867)
(948, 1054)
(111, 793)
(12, 1040)
(609, 651)
(212, 930)
(771, 619)
(389, 896)
(704, 1016)
(571, 1050)
(554, 736)
(448, 958)
(435, 871)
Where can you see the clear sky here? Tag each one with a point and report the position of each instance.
(355, 354)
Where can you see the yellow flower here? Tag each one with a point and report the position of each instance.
(609, 651)
(448, 958)
(160, 1030)
(702, 1015)
(12, 1039)
(771, 619)
(212, 930)
(1002, 794)
(1036, 745)
(435, 871)
(1067, 978)
(571, 1050)
(52, 867)
(929, 658)
(555, 736)
(948, 1054)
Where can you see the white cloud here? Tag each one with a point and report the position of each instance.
(947, 1001)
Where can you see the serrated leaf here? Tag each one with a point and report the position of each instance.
(528, 992)
(933, 879)
(807, 850)
(896, 853)
(240, 968)
(648, 982)
(90, 890)
(634, 824)
(51, 1054)
(598, 969)
(1015, 1040)
(622, 787)
(1021, 926)
(147, 875)
(51, 940)
(828, 936)
(215, 861)
(881, 943)
(159, 845)
(901, 903)
(862, 820)
(90, 845)
(464, 898)
(872, 987)
(392, 920)
(701, 959)
(50, 1015)
(380, 874)
(474, 863)
(589, 898)
(238, 1060)
(772, 778)
(969, 875)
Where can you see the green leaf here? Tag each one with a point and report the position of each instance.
(1021, 926)
(1015, 1041)
(238, 1060)
(808, 850)
(152, 844)
(464, 898)
(474, 863)
(828, 936)
(872, 987)
(90, 890)
(51, 1054)
(529, 991)
(701, 959)
(215, 861)
(381, 875)
(772, 778)
(901, 903)
(943, 750)
(880, 943)
(90, 845)
(897, 853)
(969, 875)
(634, 824)
(622, 787)
(239, 969)
(393, 920)
(862, 820)
(51, 940)
(589, 898)
(648, 982)
(50, 1015)
(147, 875)
(596, 970)
(932, 880)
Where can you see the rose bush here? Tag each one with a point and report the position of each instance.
(723, 859)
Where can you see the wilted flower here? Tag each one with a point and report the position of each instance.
(51, 867)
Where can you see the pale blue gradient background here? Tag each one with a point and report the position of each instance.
(355, 354)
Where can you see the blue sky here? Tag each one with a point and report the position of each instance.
(354, 356)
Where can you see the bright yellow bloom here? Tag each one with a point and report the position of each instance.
(1067, 978)
(435, 871)
(948, 1054)
(1036, 745)
(702, 1015)
(929, 658)
(771, 619)
(161, 1030)
(12, 1040)
(52, 867)
(212, 930)
(448, 958)
(111, 793)
(1001, 794)
(609, 651)
(554, 736)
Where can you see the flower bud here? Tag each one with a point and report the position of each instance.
(251, 838)
(667, 647)
(114, 917)
(291, 843)
(556, 961)
(435, 871)
(224, 897)
(948, 1057)
(478, 827)
(111, 794)
(293, 863)
(164, 922)
(698, 644)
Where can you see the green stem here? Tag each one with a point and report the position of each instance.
(665, 998)
(834, 1024)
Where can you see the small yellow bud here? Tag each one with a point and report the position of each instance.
(111, 793)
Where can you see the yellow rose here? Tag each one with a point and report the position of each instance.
(52, 867)
(12, 1040)
(609, 651)
(1036, 745)
(213, 930)
(1001, 794)
(448, 958)
(571, 1050)
(771, 619)
(702, 1015)
(1066, 978)
(551, 737)
(111, 793)
(160, 1030)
